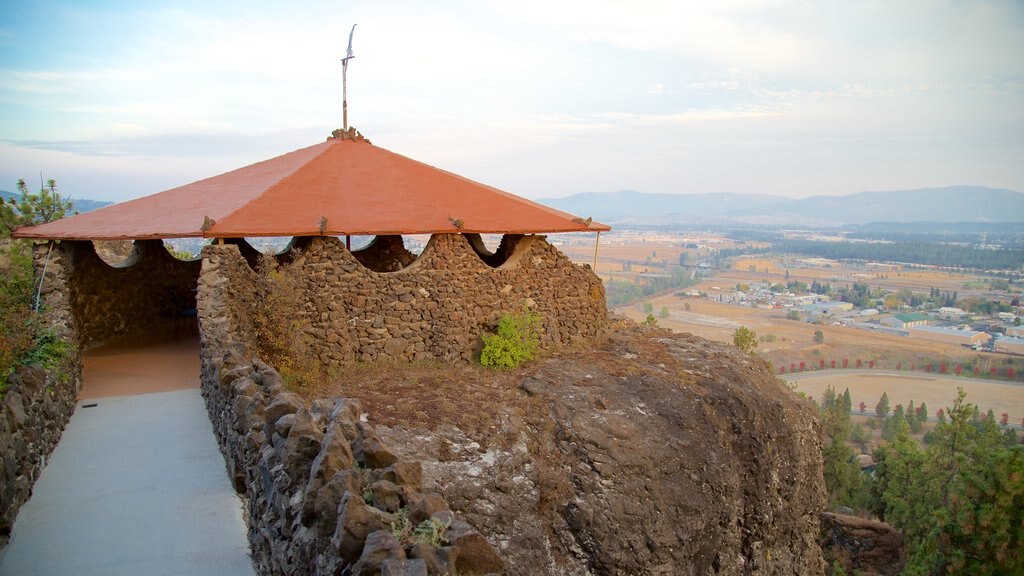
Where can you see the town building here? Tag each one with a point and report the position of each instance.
(950, 335)
(950, 313)
(827, 308)
(1009, 345)
(909, 320)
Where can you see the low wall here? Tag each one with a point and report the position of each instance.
(437, 307)
(33, 413)
(324, 494)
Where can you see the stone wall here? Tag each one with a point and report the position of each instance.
(33, 413)
(437, 307)
(324, 494)
(38, 403)
(149, 293)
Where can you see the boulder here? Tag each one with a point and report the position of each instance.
(356, 521)
(380, 547)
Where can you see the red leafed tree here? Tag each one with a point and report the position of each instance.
(1004, 419)
(862, 407)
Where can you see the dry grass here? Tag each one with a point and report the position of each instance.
(426, 395)
(937, 392)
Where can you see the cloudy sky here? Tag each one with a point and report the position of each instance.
(541, 98)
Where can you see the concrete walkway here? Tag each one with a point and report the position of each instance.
(136, 486)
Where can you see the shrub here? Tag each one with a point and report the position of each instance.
(279, 323)
(431, 531)
(516, 341)
(745, 339)
(23, 339)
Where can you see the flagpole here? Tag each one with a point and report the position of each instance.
(344, 80)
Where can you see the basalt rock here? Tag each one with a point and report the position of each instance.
(324, 491)
(654, 454)
(861, 546)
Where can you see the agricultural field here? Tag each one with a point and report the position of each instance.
(936, 391)
(906, 368)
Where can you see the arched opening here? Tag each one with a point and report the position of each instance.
(115, 253)
(149, 294)
(386, 253)
(500, 255)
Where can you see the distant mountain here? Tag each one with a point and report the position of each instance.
(951, 204)
(78, 205)
(629, 206)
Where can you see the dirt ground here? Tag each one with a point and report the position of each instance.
(936, 391)
(140, 367)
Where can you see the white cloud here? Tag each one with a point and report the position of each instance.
(582, 89)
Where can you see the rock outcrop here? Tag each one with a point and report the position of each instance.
(861, 546)
(654, 454)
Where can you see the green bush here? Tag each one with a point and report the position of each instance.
(516, 341)
(23, 339)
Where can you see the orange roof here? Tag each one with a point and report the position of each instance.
(336, 188)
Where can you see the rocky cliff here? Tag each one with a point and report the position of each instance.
(655, 453)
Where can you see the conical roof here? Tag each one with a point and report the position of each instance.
(335, 188)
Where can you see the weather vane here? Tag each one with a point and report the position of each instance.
(344, 79)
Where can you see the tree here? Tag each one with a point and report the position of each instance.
(847, 401)
(21, 337)
(913, 418)
(664, 312)
(960, 503)
(882, 408)
(860, 437)
(819, 336)
(31, 209)
(745, 339)
(793, 315)
(841, 471)
(648, 308)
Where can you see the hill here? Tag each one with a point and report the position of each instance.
(950, 204)
(77, 204)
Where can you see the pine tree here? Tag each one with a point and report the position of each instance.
(882, 408)
(960, 503)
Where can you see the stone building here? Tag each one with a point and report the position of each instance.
(378, 302)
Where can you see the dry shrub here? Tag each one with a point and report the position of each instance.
(279, 320)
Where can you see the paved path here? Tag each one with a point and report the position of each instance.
(135, 487)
